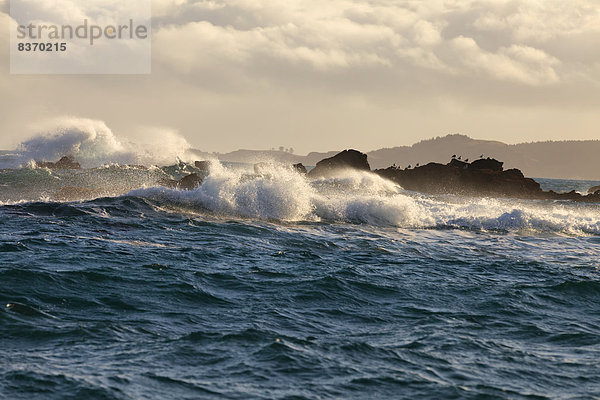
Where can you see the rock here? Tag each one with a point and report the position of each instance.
(347, 159)
(513, 173)
(300, 168)
(189, 182)
(572, 195)
(203, 166)
(481, 178)
(594, 190)
(592, 198)
(457, 163)
(487, 163)
(457, 177)
(66, 162)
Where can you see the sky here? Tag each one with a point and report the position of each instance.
(325, 75)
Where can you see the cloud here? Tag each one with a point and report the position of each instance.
(305, 72)
(338, 36)
(522, 64)
(259, 42)
(541, 22)
(320, 46)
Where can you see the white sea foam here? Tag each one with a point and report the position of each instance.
(282, 194)
(358, 197)
(93, 144)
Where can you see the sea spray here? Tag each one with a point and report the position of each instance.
(280, 193)
(277, 192)
(92, 143)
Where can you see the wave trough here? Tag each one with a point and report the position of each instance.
(269, 285)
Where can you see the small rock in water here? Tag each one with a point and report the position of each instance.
(189, 182)
(594, 190)
(203, 166)
(347, 159)
(66, 162)
(300, 168)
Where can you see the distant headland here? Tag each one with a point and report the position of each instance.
(552, 159)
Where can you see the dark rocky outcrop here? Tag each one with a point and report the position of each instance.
(347, 159)
(484, 177)
(456, 163)
(299, 168)
(594, 189)
(487, 163)
(203, 166)
(66, 162)
(189, 182)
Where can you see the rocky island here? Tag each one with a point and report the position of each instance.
(485, 177)
(66, 162)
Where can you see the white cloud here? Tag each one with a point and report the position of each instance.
(318, 44)
(426, 33)
(516, 63)
(402, 36)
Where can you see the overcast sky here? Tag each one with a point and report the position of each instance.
(326, 75)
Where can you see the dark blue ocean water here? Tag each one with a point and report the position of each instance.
(273, 287)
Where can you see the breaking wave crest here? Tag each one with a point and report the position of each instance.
(93, 144)
(277, 193)
(280, 193)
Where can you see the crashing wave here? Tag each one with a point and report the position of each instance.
(92, 143)
(282, 194)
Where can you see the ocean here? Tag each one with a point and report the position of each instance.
(272, 286)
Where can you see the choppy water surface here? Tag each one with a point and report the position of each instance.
(274, 287)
